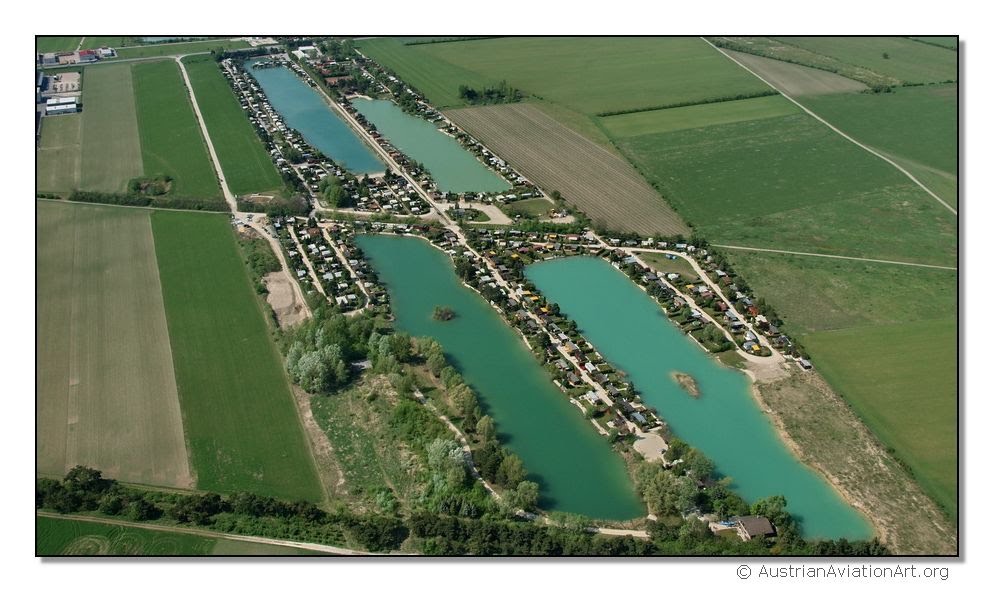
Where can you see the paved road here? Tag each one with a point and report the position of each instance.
(228, 195)
(209, 533)
(739, 248)
(838, 131)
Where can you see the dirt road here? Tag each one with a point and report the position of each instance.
(837, 130)
(228, 195)
(209, 533)
(740, 248)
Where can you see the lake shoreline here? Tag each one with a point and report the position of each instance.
(880, 530)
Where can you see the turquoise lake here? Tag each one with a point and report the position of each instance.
(725, 422)
(452, 167)
(304, 109)
(575, 467)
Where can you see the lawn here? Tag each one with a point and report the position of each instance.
(170, 135)
(48, 44)
(791, 183)
(917, 124)
(897, 57)
(66, 536)
(106, 389)
(590, 74)
(901, 380)
(246, 165)
(111, 153)
(175, 49)
(241, 422)
(537, 207)
(670, 120)
(57, 167)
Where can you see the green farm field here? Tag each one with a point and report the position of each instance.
(246, 165)
(694, 116)
(106, 390)
(241, 423)
(630, 72)
(437, 79)
(948, 41)
(901, 380)
(916, 124)
(176, 49)
(170, 135)
(67, 536)
(791, 183)
(117, 42)
(47, 44)
(897, 57)
(57, 168)
(111, 147)
(849, 293)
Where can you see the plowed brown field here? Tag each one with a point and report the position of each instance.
(555, 157)
(106, 387)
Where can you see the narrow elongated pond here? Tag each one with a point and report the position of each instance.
(725, 422)
(303, 109)
(575, 467)
(453, 167)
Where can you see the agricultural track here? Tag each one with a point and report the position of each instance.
(555, 157)
(210, 533)
(840, 132)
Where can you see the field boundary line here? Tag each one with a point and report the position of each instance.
(838, 131)
(208, 533)
(887, 261)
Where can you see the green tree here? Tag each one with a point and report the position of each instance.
(485, 429)
(511, 471)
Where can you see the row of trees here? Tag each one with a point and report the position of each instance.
(85, 490)
(136, 199)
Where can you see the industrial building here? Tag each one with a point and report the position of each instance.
(60, 105)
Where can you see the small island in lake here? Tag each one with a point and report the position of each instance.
(443, 313)
(687, 383)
